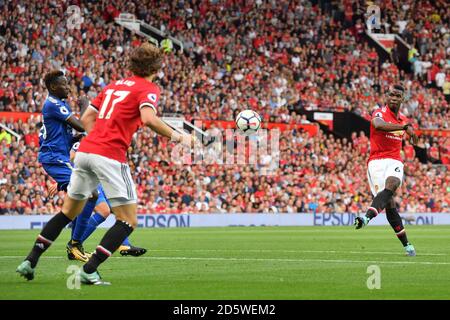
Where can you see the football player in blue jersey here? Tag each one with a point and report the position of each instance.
(55, 142)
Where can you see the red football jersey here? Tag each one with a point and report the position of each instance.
(118, 107)
(385, 144)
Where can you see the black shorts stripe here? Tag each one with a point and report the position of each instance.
(128, 171)
(121, 172)
(130, 183)
(125, 179)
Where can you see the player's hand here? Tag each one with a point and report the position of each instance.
(53, 189)
(186, 139)
(414, 139)
(83, 102)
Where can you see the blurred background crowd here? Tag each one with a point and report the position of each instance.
(275, 57)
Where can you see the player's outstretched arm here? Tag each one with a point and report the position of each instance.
(75, 123)
(380, 124)
(88, 119)
(151, 120)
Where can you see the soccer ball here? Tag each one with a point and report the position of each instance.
(248, 122)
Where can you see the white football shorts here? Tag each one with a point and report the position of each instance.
(92, 169)
(379, 169)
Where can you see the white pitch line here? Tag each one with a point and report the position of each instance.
(299, 260)
(263, 259)
(291, 251)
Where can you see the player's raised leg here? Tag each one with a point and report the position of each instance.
(380, 202)
(385, 175)
(82, 184)
(396, 223)
(48, 234)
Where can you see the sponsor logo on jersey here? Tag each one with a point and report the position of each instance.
(395, 137)
(398, 132)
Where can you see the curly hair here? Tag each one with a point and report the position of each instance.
(51, 77)
(145, 60)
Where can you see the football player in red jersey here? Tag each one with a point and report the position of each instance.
(111, 120)
(385, 167)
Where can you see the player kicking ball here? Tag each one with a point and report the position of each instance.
(111, 120)
(385, 167)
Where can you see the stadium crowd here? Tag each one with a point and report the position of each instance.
(267, 55)
(273, 57)
(339, 168)
(424, 25)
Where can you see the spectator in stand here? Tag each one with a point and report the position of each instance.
(433, 153)
(8, 209)
(408, 151)
(6, 136)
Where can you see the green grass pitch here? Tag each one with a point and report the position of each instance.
(243, 263)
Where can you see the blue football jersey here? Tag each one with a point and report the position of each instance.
(55, 136)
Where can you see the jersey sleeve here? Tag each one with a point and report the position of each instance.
(97, 102)
(149, 98)
(377, 114)
(59, 112)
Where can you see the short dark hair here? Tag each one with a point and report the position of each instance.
(399, 87)
(145, 60)
(51, 77)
